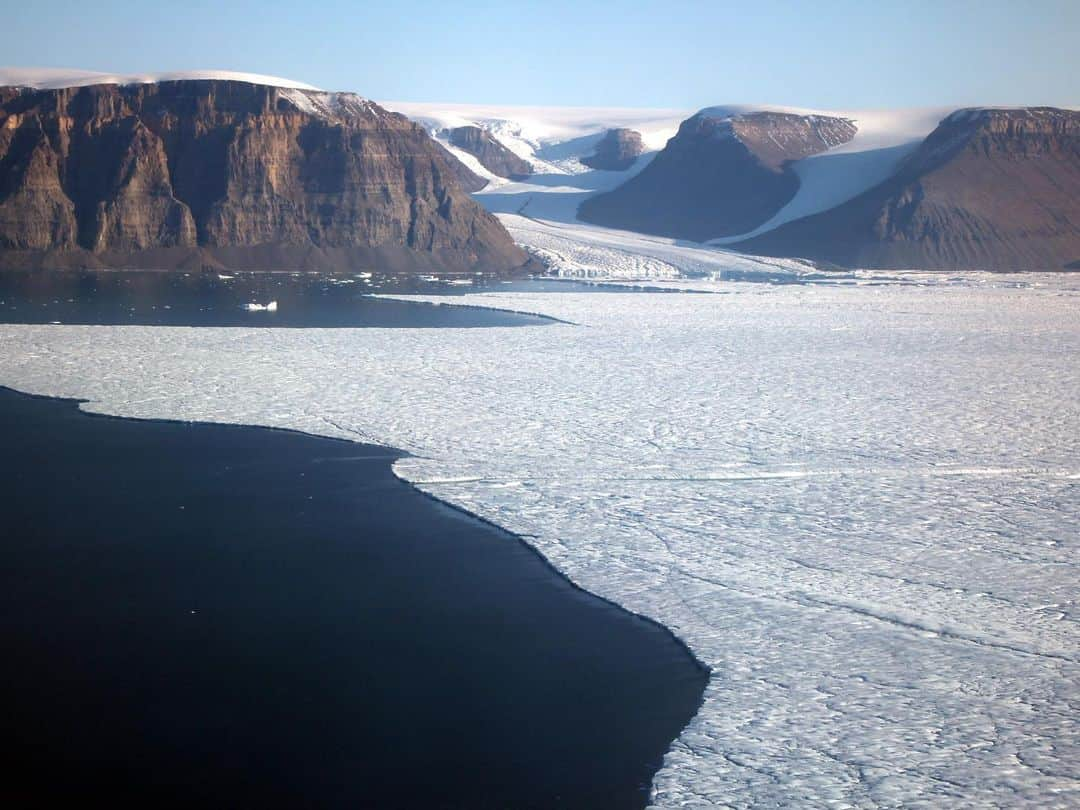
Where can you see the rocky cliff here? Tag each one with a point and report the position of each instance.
(723, 174)
(229, 174)
(616, 151)
(492, 155)
(989, 189)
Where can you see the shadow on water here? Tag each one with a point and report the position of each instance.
(229, 616)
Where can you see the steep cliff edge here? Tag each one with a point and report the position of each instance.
(234, 175)
(723, 174)
(989, 189)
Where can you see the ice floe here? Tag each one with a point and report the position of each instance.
(254, 306)
(858, 504)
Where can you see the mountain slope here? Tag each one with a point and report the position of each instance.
(491, 154)
(225, 173)
(616, 151)
(989, 189)
(724, 173)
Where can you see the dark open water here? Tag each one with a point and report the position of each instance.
(229, 616)
(209, 299)
(147, 298)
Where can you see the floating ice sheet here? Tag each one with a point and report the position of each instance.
(859, 505)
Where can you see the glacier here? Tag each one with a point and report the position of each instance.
(553, 139)
(857, 503)
(550, 138)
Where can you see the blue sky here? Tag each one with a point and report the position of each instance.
(830, 53)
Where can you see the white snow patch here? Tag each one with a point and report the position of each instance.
(329, 106)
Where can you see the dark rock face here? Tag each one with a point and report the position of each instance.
(492, 155)
(230, 174)
(987, 190)
(616, 151)
(719, 176)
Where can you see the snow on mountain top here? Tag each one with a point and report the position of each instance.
(877, 128)
(551, 138)
(723, 111)
(546, 124)
(329, 106)
(973, 113)
(880, 129)
(56, 78)
(305, 97)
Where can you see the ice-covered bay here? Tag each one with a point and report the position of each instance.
(859, 505)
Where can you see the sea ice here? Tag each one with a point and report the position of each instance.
(858, 504)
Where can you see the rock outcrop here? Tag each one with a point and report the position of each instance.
(723, 174)
(492, 155)
(228, 174)
(616, 151)
(989, 189)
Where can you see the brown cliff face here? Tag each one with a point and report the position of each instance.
(230, 174)
(721, 175)
(616, 151)
(492, 155)
(987, 190)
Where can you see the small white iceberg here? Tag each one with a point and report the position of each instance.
(253, 307)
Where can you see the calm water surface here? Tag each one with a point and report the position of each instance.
(211, 299)
(228, 616)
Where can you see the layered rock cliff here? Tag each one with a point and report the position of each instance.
(989, 189)
(229, 174)
(492, 155)
(616, 151)
(723, 174)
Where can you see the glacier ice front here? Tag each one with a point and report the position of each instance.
(859, 505)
